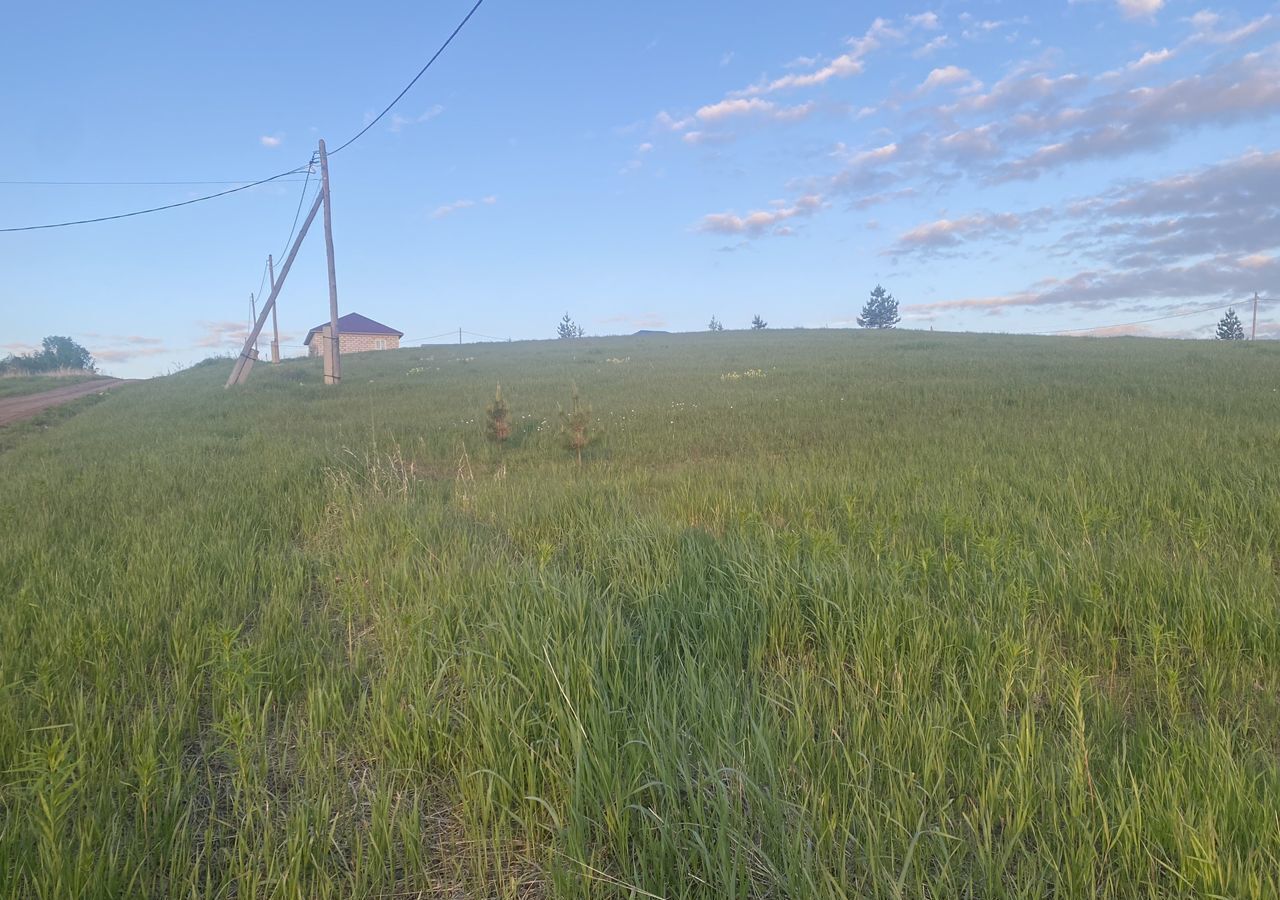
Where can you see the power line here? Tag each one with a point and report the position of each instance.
(127, 183)
(429, 337)
(1191, 312)
(244, 187)
(143, 212)
(449, 40)
(310, 163)
(263, 279)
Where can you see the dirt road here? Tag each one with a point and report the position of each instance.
(14, 409)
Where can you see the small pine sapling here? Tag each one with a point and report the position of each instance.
(575, 425)
(498, 426)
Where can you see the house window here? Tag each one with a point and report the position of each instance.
(380, 344)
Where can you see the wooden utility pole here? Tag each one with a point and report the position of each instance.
(253, 317)
(332, 356)
(1253, 336)
(240, 371)
(459, 337)
(275, 326)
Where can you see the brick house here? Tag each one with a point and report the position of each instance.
(355, 335)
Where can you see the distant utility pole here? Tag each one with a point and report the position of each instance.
(1253, 336)
(332, 358)
(459, 337)
(249, 353)
(275, 326)
(253, 306)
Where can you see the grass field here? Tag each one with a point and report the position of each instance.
(895, 615)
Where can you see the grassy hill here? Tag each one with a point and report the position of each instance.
(822, 614)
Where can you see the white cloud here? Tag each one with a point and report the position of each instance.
(271, 140)
(947, 75)
(762, 221)
(222, 334)
(1116, 124)
(450, 208)
(1208, 234)
(926, 20)
(668, 122)
(944, 233)
(875, 155)
(698, 138)
(754, 106)
(933, 46)
(636, 163)
(1205, 26)
(1151, 58)
(843, 66)
(1140, 9)
(398, 122)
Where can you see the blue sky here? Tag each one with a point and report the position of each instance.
(998, 166)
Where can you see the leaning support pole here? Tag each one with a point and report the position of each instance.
(245, 361)
(333, 354)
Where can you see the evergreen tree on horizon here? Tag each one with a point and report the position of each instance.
(880, 310)
(569, 329)
(1230, 328)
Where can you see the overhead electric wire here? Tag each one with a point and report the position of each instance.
(449, 40)
(143, 212)
(1191, 312)
(124, 183)
(429, 337)
(298, 212)
(263, 279)
(244, 187)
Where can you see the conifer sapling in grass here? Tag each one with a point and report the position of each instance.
(498, 427)
(575, 425)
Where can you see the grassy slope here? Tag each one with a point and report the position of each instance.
(20, 385)
(910, 615)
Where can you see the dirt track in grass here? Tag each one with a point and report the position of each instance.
(15, 409)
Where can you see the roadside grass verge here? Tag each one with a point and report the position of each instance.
(15, 433)
(21, 385)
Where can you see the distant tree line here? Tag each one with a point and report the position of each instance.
(880, 311)
(55, 353)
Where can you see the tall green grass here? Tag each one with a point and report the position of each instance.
(899, 615)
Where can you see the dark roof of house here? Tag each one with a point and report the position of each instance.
(354, 323)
